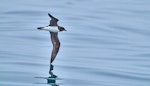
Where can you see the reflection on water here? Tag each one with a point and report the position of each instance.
(51, 80)
(50, 71)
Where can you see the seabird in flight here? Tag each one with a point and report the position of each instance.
(53, 28)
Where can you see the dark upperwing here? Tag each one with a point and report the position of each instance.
(53, 21)
(54, 38)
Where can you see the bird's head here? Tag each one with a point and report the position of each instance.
(61, 28)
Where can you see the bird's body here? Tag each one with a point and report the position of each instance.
(53, 28)
(50, 28)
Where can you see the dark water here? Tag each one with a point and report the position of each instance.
(107, 42)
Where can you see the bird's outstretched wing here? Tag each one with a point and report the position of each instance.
(53, 21)
(54, 38)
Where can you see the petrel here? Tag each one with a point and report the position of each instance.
(53, 28)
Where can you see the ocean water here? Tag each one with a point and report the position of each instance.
(107, 42)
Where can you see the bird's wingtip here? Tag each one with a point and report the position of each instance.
(52, 17)
(49, 15)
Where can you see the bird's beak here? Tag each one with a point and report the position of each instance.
(64, 29)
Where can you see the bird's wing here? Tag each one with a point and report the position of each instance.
(54, 38)
(53, 21)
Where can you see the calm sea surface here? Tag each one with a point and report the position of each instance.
(107, 42)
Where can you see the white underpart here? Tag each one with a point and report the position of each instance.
(51, 28)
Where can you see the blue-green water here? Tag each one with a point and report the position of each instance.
(107, 42)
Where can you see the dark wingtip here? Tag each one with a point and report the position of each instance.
(52, 61)
(50, 15)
